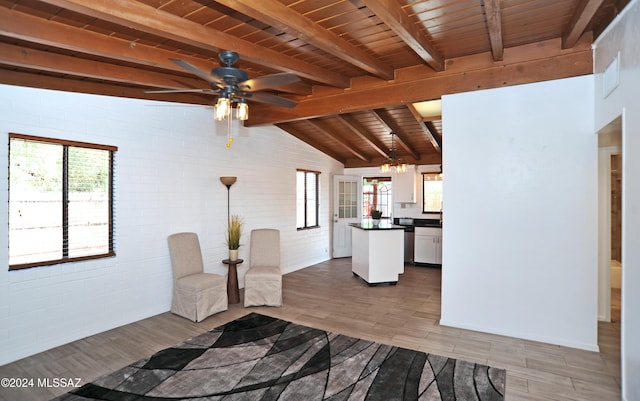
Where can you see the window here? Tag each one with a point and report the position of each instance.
(376, 195)
(60, 201)
(307, 199)
(432, 192)
(347, 199)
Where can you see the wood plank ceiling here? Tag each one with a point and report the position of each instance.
(362, 63)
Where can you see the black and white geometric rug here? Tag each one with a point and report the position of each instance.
(258, 357)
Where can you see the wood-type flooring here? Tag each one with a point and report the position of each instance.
(328, 296)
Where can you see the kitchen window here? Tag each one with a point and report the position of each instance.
(432, 192)
(307, 199)
(60, 201)
(376, 195)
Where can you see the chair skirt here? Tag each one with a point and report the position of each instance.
(199, 296)
(263, 286)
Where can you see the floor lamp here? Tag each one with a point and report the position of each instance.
(228, 182)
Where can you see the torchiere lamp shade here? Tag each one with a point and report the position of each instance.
(228, 181)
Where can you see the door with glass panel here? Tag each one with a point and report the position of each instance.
(347, 200)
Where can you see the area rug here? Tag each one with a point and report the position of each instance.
(258, 357)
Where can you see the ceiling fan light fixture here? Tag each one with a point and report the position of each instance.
(234, 86)
(242, 111)
(222, 108)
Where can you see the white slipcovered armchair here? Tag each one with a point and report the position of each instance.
(196, 295)
(263, 280)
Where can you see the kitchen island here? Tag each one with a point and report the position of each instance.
(377, 252)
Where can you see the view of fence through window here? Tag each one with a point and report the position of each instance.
(60, 205)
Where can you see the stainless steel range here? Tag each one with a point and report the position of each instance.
(408, 237)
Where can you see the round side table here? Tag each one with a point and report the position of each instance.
(233, 292)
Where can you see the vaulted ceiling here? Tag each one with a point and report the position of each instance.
(362, 63)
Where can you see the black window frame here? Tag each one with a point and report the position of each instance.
(316, 174)
(65, 197)
(424, 179)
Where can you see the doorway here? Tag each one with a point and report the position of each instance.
(610, 179)
(616, 236)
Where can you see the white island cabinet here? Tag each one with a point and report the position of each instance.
(377, 252)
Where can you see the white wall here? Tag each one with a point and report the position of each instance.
(623, 36)
(520, 215)
(168, 165)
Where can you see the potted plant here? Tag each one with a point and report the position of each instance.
(234, 231)
(376, 215)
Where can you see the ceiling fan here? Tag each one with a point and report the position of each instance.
(234, 84)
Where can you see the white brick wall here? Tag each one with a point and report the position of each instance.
(167, 167)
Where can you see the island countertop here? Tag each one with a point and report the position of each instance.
(368, 225)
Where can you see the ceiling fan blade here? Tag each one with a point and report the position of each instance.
(268, 82)
(269, 98)
(195, 70)
(207, 91)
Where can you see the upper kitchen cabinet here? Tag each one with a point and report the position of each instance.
(404, 185)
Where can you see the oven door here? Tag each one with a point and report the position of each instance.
(409, 245)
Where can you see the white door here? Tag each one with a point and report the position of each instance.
(347, 206)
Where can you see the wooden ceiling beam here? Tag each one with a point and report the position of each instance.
(136, 15)
(430, 158)
(354, 126)
(585, 11)
(32, 29)
(432, 135)
(298, 88)
(67, 84)
(414, 112)
(322, 126)
(427, 127)
(390, 125)
(301, 135)
(285, 19)
(549, 64)
(390, 12)
(493, 18)
(56, 35)
(18, 56)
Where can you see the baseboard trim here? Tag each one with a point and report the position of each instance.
(522, 336)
